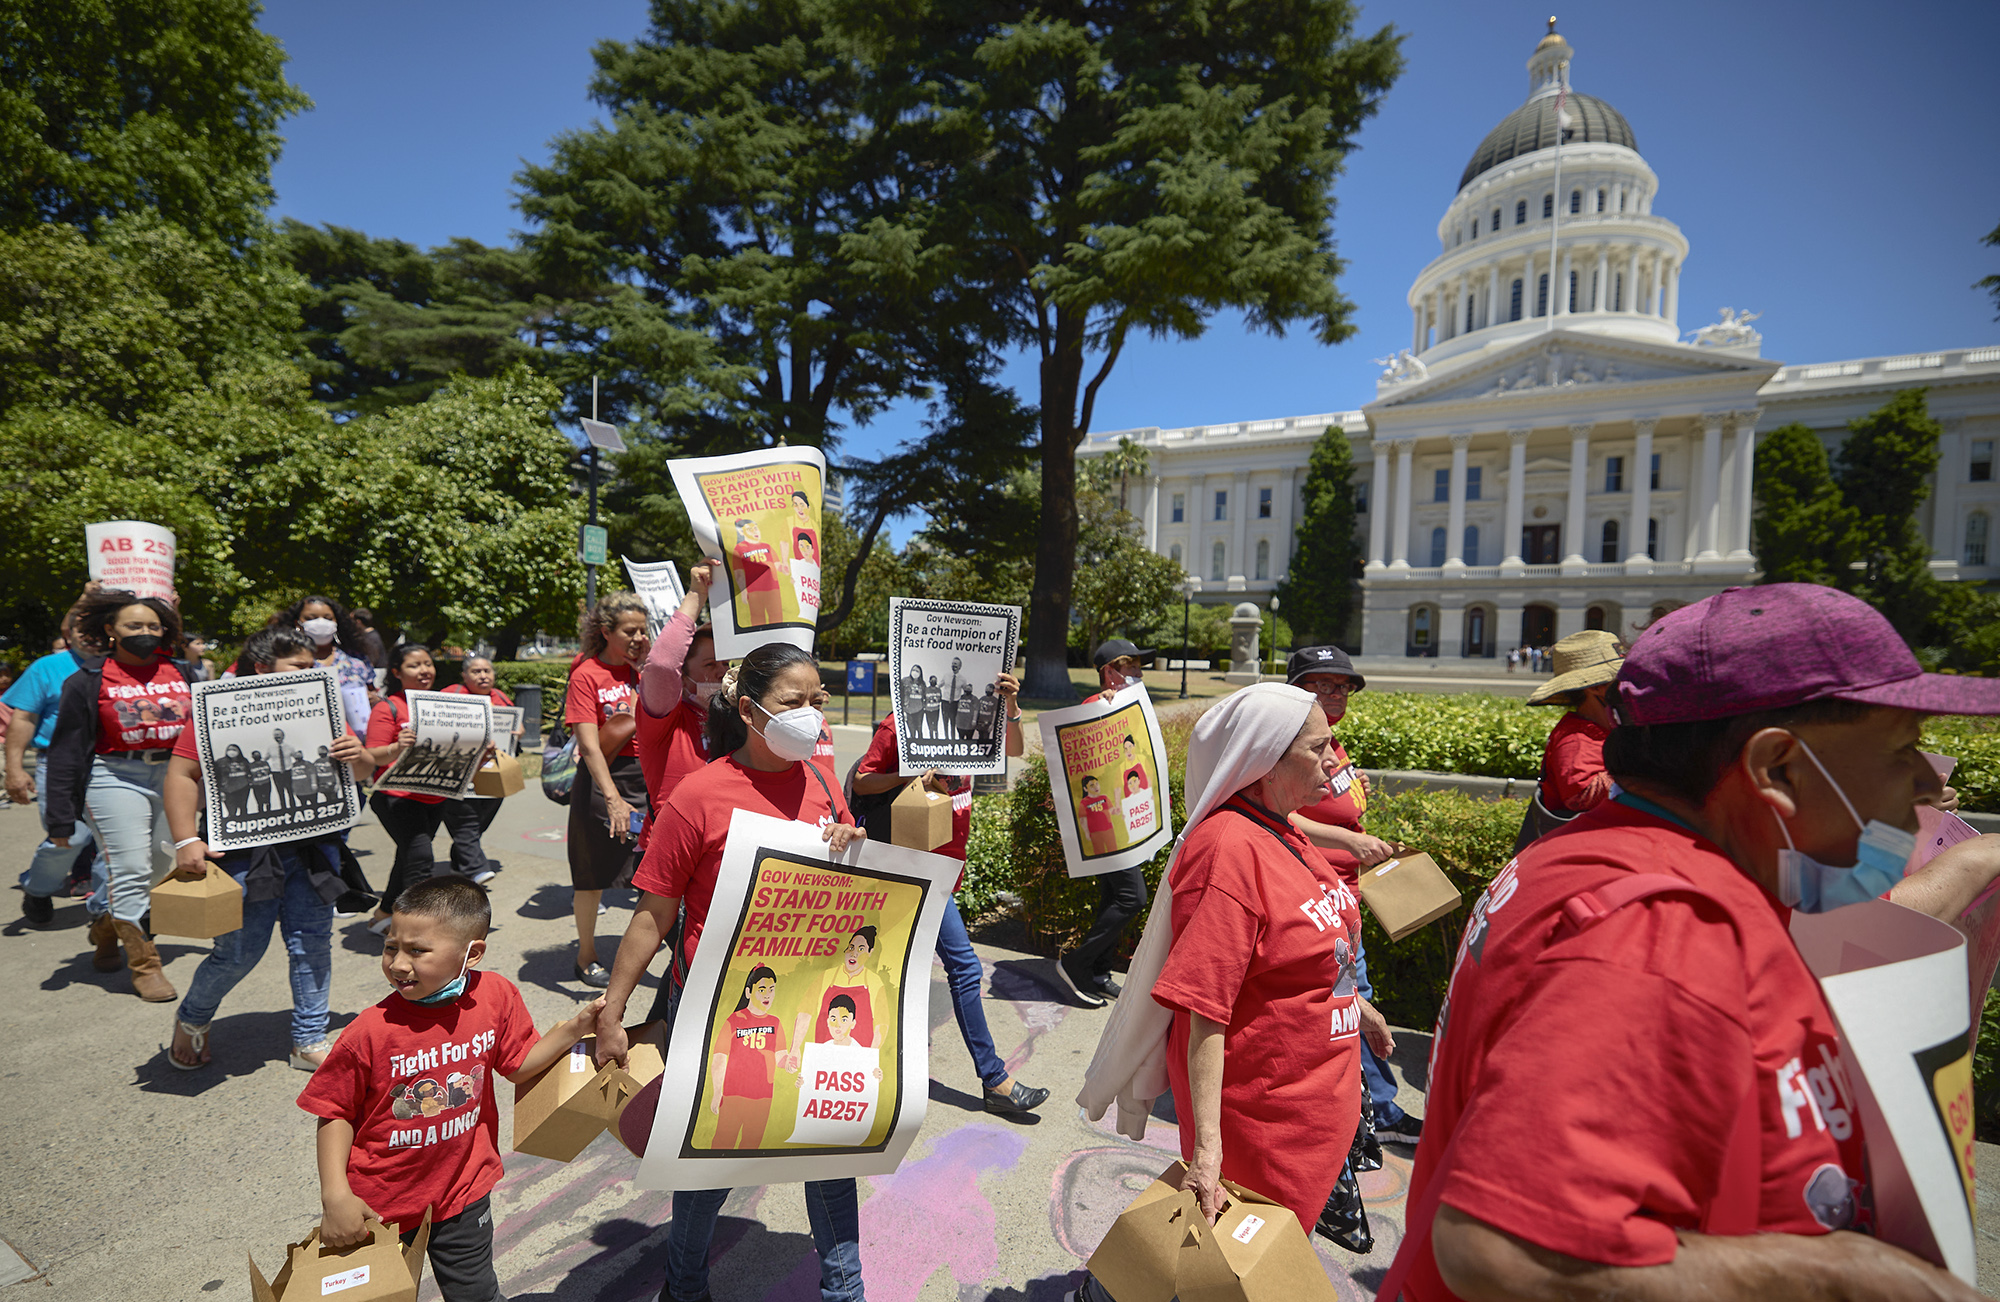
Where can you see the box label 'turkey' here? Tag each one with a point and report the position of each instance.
(346, 1279)
(1248, 1230)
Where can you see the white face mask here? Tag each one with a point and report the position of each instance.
(702, 693)
(793, 734)
(321, 631)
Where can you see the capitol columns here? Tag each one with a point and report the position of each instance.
(1517, 474)
(1746, 469)
(1378, 507)
(1454, 531)
(1573, 561)
(1708, 504)
(1629, 302)
(1637, 559)
(1406, 453)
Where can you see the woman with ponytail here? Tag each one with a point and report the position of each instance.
(337, 645)
(764, 726)
(608, 802)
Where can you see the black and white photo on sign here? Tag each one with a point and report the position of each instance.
(945, 660)
(659, 585)
(506, 736)
(452, 730)
(264, 744)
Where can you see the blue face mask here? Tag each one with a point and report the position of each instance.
(453, 988)
(1813, 887)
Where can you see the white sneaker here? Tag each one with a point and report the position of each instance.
(602, 908)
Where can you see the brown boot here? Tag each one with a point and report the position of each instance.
(148, 982)
(104, 935)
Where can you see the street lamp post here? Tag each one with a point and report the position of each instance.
(1274, 632)
(1189, 586)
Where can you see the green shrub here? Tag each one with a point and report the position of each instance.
(1975, 744)
(1485, 736)
(552, 674)
(1986, 1073)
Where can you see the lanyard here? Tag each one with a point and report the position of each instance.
(1646, 806)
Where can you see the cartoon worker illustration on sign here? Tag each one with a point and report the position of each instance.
(867, 995)
(1097, 816)
(759, 568)
(805, 528)
(745, 1064)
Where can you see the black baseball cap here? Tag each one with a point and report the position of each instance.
(1112, 648)
(1322, 660)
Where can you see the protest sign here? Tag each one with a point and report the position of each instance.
(943, 658)
(1895, 980)
(264, 744)
(658, 584)
(1108, 775)
(506, 722)
(759, 512)
(452, 731)
(801, 1047)
(132, 555)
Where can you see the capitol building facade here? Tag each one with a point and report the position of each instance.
(1552, 453)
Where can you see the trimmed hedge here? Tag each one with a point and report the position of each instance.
(1469, 733)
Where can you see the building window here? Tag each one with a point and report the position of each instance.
(1441, 486)
(1180, 507)
(1471, 301)
(1472, 483)
(1174, 553)
(1614, 474)
(1593, 619)
(1653, 538)
(1572, 291)
(1601, 196)
(1361, 497)
(1607, 547)
(1437, 546)
(1472, 544)
(1548, 205)
(1221, 505)
(1514, 302)
(1618, 292)
(1475, 228)
(1521, 213)
(1475, 631)
(1217, 569)
(1420, 627)
(1654, 483)
(1263, 504)
(1496, 220)
(1576, 201)
(1621, 201)
(1263, 558)
(1542, 294)
(1982, 461)
(1975, 538)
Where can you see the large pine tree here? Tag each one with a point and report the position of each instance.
(1317, 594)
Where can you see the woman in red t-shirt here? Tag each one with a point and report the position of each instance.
(411, 820)
(680, 677)
(466, 820)
(609, 795)
(765, 725)
(116, 723)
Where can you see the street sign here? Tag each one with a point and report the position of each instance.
(603, 436)
(594, 546)
(860, 677)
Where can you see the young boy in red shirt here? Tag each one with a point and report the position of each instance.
(407, 1119)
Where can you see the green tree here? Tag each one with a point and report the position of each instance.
(1881, 470)
(1103, 169)
(1802, 526)
(1991, 284)
(1121, 587)
(878, 577)
(116, 107)
(1317, 592)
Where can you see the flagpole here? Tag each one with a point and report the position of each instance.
(1556, 199)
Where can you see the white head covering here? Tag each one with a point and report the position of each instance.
(1234, 744)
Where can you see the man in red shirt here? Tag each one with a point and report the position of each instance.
(1573, 774)
(1705, 1142)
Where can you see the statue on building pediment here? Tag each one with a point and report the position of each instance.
(1732, 331)
(1403, 368)
(1550, 371)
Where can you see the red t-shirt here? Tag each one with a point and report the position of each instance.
(497, 696)
(1573, 765)
(1661, 1013)
(1097, 813)
(755, 1041)
(597, 692)
(671, 746)
(417, 1083)
(758, 573)
(881, 758)
(141, 709)
(385, 723)
(686, 850)
(1342, 806)
(1262, 945)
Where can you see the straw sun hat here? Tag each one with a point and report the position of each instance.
(1581, 660)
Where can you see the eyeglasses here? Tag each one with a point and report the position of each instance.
(1338, 689)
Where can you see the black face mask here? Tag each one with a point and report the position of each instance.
(142, 645)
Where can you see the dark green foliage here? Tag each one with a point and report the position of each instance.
(1802, 526)
(1317, 594)
(1881, 470)
(1991, 284)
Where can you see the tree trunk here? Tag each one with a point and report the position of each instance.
(1055, 548)
(507, 642)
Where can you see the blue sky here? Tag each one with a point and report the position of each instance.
(1832, 165)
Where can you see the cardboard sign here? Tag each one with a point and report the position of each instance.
(132, 555)
(1108, 775)
(1895, 980)
(268, 775)
(1407, 893)
(377, 1269)
(760, 512)
(451, 728)
(943, 659)
(573, 1101)
(659, 585)
(812, 975)
(920, 819)
(201, 909)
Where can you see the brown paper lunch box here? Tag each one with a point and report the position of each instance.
(920, 819)
(499, 779)
(378, 1269)
(573, 1101)
(1407, 892)
(1139, 1257)
(201, 909)
(1255, 1252)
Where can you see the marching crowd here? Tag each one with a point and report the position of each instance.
(1611, 1109)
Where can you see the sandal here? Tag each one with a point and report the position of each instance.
(197, 1041)
(302, 1063)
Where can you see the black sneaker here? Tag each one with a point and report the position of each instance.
(1022, 1098)
(39, 910)
(1407, 1130)
(1108, 988)
(1083, 986)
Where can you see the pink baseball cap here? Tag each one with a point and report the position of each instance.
(1746, 650)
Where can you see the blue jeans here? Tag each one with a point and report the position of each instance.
(124, 807)
(306, 923)
(1375, 1072)
(833, 1208)
(48, 872)
(964, 973)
